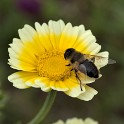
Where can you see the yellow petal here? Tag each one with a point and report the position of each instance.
(55, 28)
(21, 65)
(31, 82)
(44, 35)
(20, 78)
(43, 83)
(74, 88)
(84, 40)
(58, 85)
(21, 58)
(68, 37)
(18, 47)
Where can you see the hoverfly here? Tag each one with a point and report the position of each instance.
(84, 63)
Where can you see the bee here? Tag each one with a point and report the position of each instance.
(82, 63)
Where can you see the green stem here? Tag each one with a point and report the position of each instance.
(44, 109)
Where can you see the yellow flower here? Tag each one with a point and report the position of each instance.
(77, 121)
(39, 57)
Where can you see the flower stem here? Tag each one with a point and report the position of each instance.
(44, 109)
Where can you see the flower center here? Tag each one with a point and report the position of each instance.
(53, 65)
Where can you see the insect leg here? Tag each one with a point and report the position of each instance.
(68, 64)
(78, 79)
(93, 59)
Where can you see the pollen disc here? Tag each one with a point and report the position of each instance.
(53, 66)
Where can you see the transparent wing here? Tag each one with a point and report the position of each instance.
(81, 75)
(82, 72)
(82, 69)
(111, 61)
(100, 61)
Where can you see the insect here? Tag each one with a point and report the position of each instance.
(82, 63)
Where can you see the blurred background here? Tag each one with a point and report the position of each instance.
(105, 18)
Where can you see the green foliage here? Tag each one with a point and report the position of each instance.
(3, 100)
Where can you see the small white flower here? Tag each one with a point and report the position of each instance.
(77, 121)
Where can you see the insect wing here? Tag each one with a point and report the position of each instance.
(100, 60)
(82, 72)
(111, 61)
(103, 59)
(82, 69)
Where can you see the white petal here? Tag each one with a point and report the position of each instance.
(21, 55)
(67, 29)
(90, 121)
(16, 45)
(20, 85)
(44, 87)
(86, 79)
(62, 24)
(95, 49)
(102, 61)
(15, 63)
(59, 86)
(56, 28)
(30, 30)
(44, 36)
(87, 34)
(59, 122)
(29, 82)
(20, 78)
(74, 121)
(44, 29)
(88, 94)
(81, 30)
(12, 53)
(75, 91)
(85, 39)
(68, 37)
(27, 33)
(92, 49)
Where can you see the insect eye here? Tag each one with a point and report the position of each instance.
(70, 50)
(68, 53)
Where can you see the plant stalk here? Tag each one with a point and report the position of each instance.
(44, 109)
